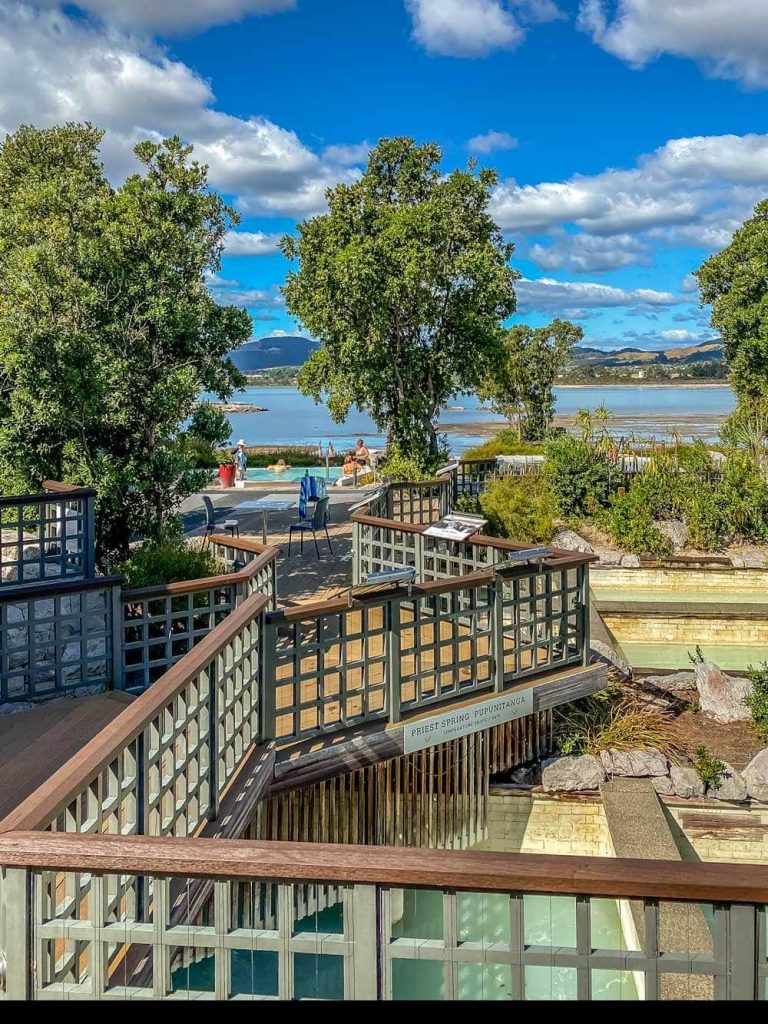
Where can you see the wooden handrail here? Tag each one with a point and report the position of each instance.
(53, 795)
(56, 487)
(470, 871)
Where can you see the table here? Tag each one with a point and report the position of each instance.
(266, 505)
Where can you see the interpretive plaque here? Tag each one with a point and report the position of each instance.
(449, 725)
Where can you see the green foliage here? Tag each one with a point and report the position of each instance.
(735, 283)
(170, 560)
(630, 522)
(504, 442)
(108, 332)
(519, 384)
(468, 503)
(405, 282)
(400, 468)
(710, 768)
(224, 457)
(612, 719)
(579, 476)
(521, 508)
(757, 700)
(209, 424)
(292, 456)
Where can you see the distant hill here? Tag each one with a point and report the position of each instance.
(583, 355)
(265, 353)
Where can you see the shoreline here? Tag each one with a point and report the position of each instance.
(650, 384)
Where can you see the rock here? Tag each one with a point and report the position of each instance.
(610, 557)
(686, 781)
(569, 540)
(676, 683)
(721, 697)
(607, 652)
(663, 785)
(731, 786)
(525, 776)
(675, 530)
(630, 562)
(16, 708)
(635, 764)
(572, 773)
(748, 560)
(755, 776)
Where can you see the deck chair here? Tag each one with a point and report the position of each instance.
(232, 525)
(319, 521)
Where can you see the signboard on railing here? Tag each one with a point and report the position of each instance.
(450, 725)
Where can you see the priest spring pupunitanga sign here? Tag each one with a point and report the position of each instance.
(449, 725)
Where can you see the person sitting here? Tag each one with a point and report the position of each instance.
(279, 467)
(362, 455)
(350, 466)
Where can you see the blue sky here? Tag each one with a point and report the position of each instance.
(629, 135)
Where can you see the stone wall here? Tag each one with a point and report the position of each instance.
(687, 629)
(530, 821)
(752, 583)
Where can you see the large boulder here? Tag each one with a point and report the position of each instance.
(686, 781)
(569, 540)
(731, 786)
(674, 530)
(755, 776)
(636, 764)
(721, 697)
(630, 562)
(564, 774)
(679, 684)
(663, 785)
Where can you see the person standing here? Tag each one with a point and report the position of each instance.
(241, 459)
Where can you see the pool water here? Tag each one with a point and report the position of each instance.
(292, 475)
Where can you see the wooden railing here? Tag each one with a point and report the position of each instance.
(395, 923)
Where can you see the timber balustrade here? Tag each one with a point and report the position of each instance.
(113, 917)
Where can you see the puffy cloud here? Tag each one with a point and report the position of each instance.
(463, 28)
(587, 254)
(492, 142)
(728, 37)
(173, 16)
(353, 153)
(251, 243)
(681, 336)
(232, 293)
(54, 68)
(546, 295)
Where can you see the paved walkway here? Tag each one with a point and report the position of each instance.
(301, 578)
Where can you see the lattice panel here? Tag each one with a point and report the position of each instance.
(419, 503)
(238, 682)
(43, 538)
(55, 644)
(330, 671)
(445, 646)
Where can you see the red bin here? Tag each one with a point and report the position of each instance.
(227, 475)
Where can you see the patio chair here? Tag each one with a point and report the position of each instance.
(319, 521)
(232, 525)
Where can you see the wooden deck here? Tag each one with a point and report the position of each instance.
(34, 744)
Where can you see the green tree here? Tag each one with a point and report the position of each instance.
(520, 385)
(735, 282)
(405, 282)
(107, 330)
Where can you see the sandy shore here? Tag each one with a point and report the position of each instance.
(687, 424)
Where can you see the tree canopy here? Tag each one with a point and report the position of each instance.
(107, 329)
(519, 385)
(735, 282)
(405, 282)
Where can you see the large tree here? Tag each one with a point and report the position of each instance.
(405, 282)
(520, 385)
(735, 282)
(107, 329)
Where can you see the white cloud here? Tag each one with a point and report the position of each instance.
(346, 154)
(680, 336)
(464, 28)
(587, 254)
(251, 243)
(546, 295)
(232, 293)
(173, 16)
(54, 68)
(729, 38)
(492, 142)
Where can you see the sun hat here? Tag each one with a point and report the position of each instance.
(241, 442)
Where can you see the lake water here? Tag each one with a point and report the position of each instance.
(293, 418)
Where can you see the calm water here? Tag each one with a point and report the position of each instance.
(653, 411)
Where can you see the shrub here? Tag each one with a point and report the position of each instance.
(505, 442)
(169, 561)
(467, 502)
(613, 719)
(757, 701)
(224, 457)
(293, 456)
(521, 508)
(710, 768)
(630, 523)
(579, 477)
(401, 468)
